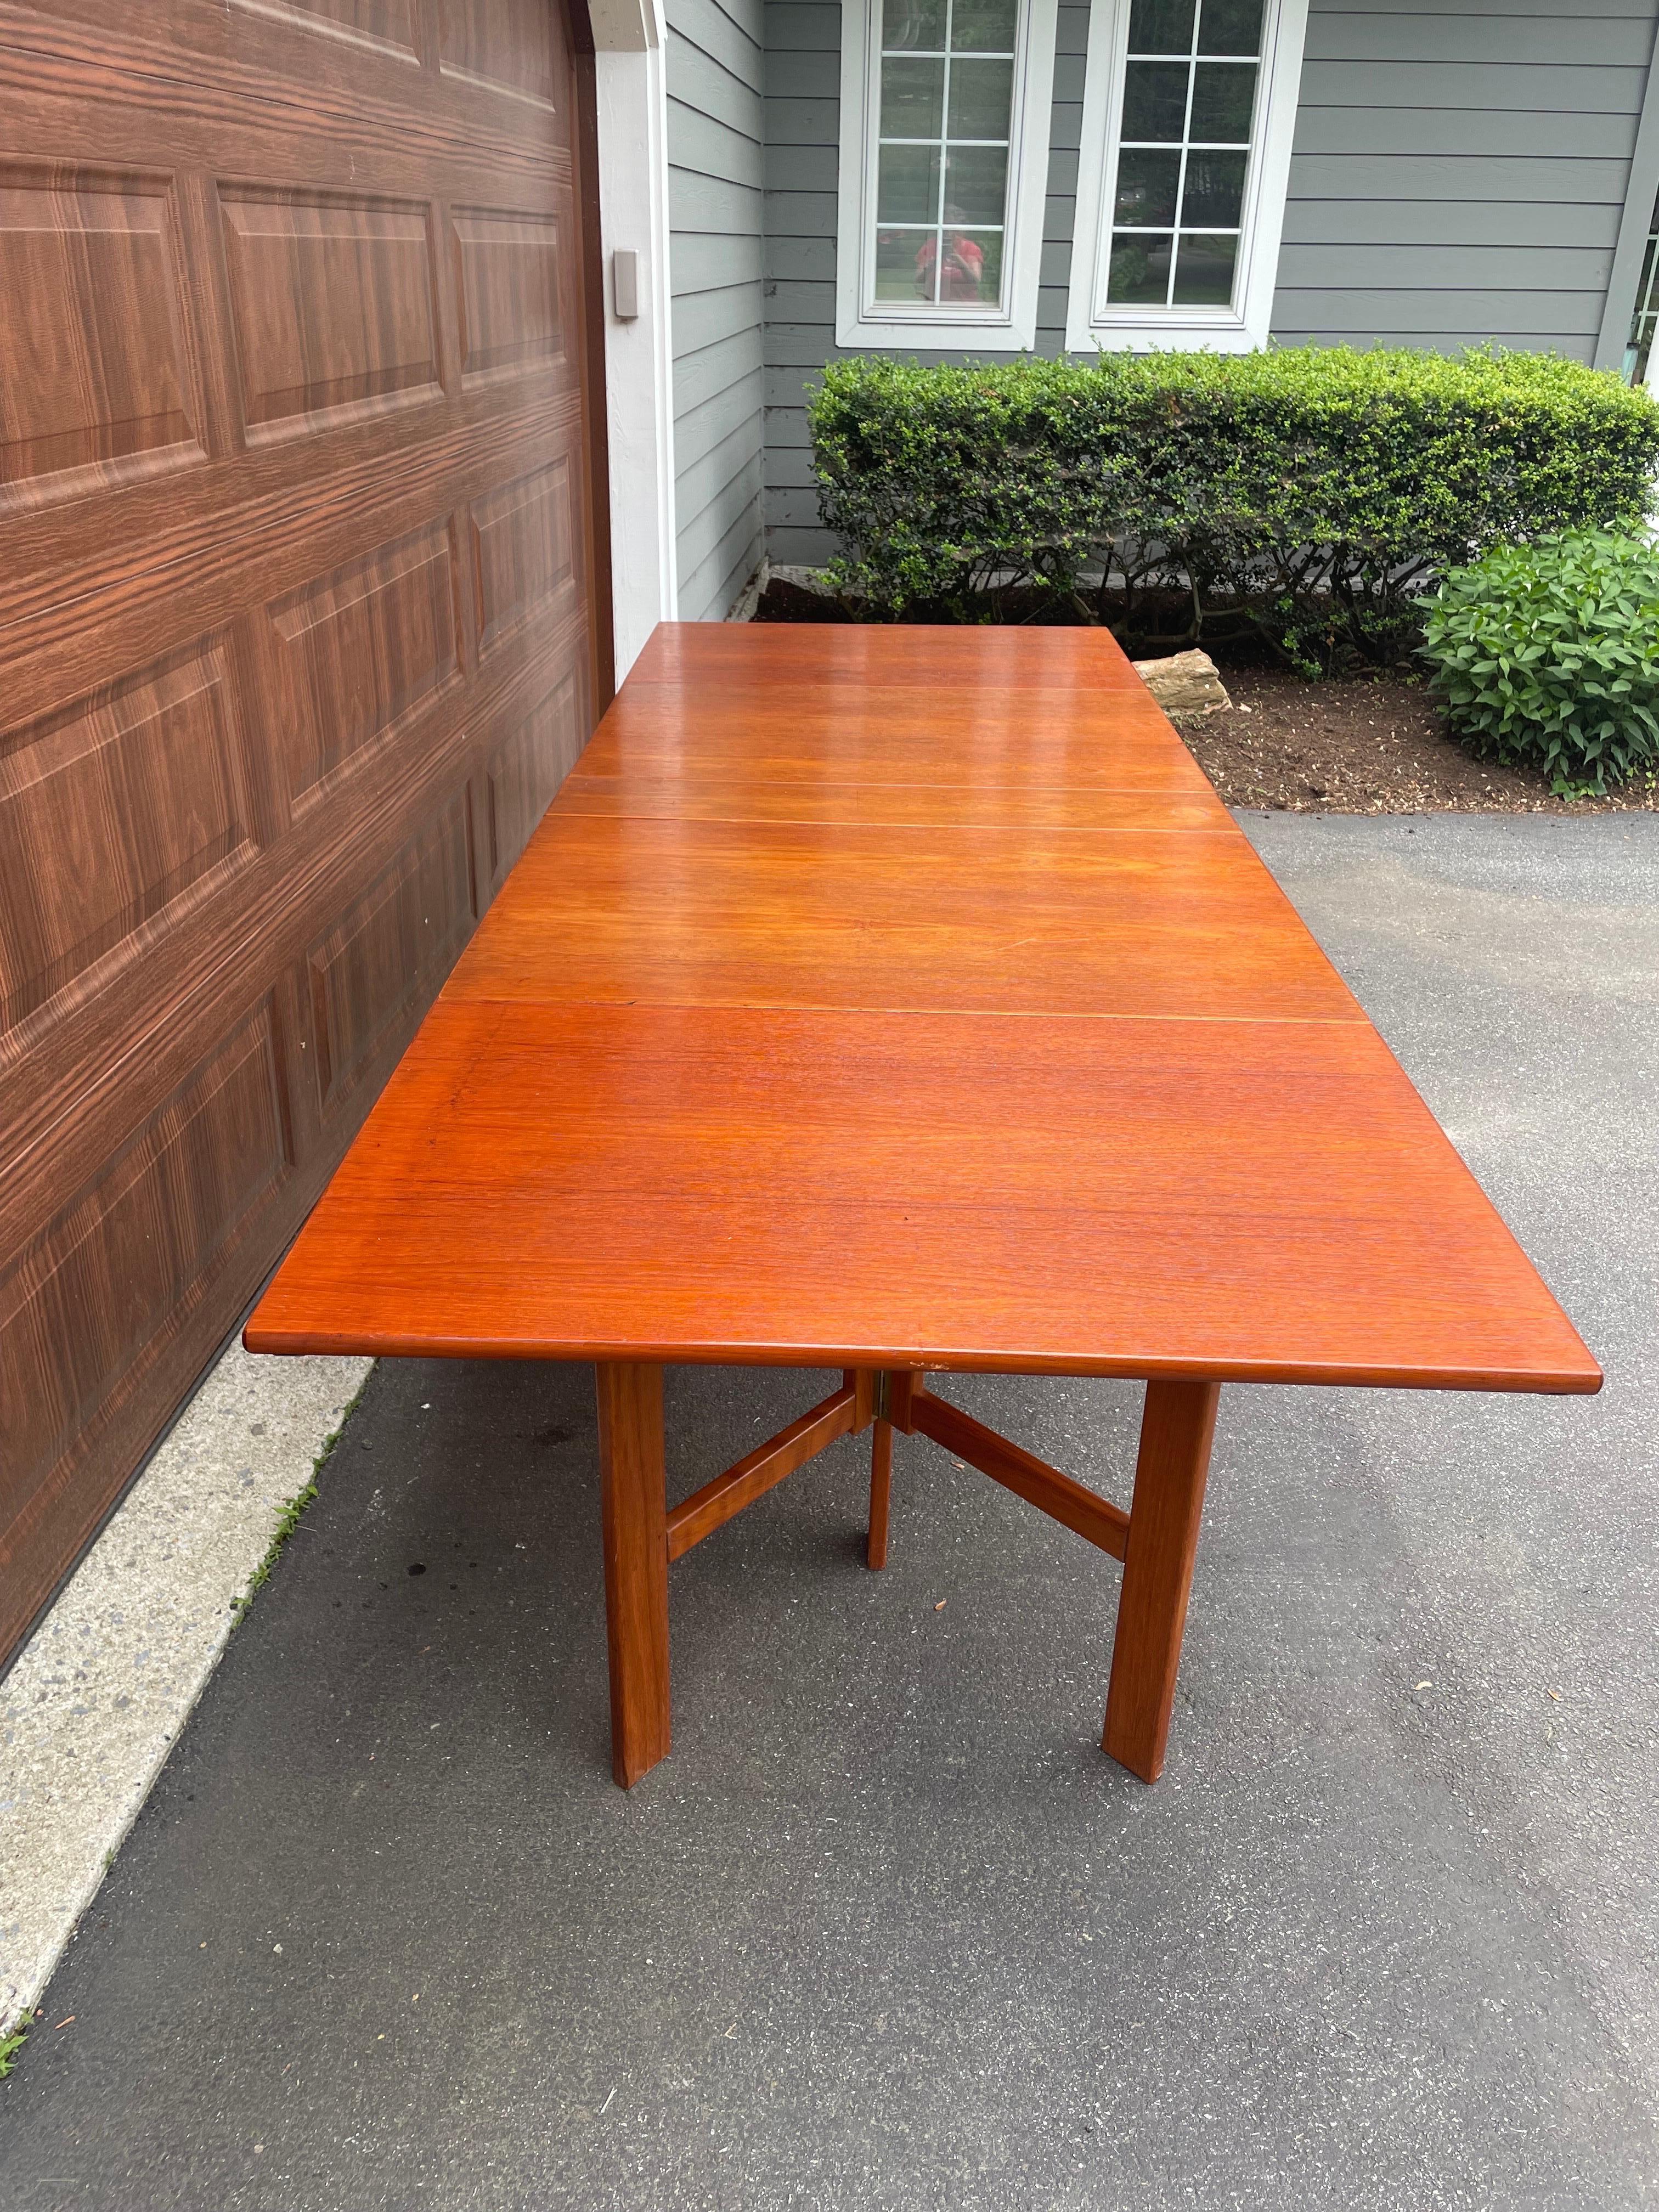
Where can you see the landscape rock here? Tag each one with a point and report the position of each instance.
(1184, 684)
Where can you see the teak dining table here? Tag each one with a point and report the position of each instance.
(904, 1000)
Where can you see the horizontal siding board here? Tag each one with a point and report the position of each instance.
(801, 214)
(722, 412)
(720, 518)
(1450, 222)
(1471, 314)
(789, 468)
(725, 36)
(814, 122)
(703, 261)
(698, 376)
(711, 150)
(799, 548)
(792, 168)
(1533, 135)
(1492, 86)
(1447, 268)
(720, 465)
(1486, 9)
(1550, 39)
(799, 257)
(701, 318)
(716, 205)
(794, 509)
(717, 580)
(1518, 179)
(785, 430)
(799, 74)
(792, 25)
(710, 89)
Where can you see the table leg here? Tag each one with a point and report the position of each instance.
(1176, 1431)
(634, 1510)
(881, 1493)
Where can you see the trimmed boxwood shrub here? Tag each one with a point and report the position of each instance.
(1547, 656)
(1307, 494)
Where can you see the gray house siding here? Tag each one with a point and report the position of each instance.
(715, 209)
(1460, 172)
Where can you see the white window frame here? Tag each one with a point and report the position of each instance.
(860, 320)
(1090, 321)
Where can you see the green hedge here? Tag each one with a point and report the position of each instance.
(1306, 494)
(1547, 656)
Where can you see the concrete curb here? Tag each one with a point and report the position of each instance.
(94, 1700)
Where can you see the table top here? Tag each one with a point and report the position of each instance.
(887, 996)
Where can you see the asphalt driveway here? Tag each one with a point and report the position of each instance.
(886, 1930)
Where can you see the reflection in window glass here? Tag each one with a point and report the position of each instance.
(947, 81)
(1190, 101)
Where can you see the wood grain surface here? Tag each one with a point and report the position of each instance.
(299, 634)
(725, 1084)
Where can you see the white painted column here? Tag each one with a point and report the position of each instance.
(633, 133)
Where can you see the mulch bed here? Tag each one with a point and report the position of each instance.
(1365, 745)
(1360, 745)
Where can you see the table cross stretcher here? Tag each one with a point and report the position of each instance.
(903, 1001)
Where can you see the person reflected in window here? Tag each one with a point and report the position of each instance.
(961, 271)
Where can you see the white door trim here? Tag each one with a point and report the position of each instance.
(632, 92)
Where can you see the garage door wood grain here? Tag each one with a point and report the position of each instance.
(299, 637)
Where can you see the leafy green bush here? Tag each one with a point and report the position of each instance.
(1307, 494)
(1547, 656)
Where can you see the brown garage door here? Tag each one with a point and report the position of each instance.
(296, 639)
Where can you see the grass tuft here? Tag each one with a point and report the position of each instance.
(293, 1511)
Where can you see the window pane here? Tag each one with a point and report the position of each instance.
(1154, 100)
(1215, 190)
(1204, 271)
(914, 25)
(1147, 183)
(908, 190)
(1161, 27)
(1230, 27)
(912, 99)
(975, 183)
(906, 263)
(1224, 93)
(984, 27)
(1141, 270)
(971, 269)
(981, 98)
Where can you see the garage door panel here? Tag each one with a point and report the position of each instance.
(526, 768)
(375, 973)
(117, 818)
(294, 510)
(526, 547)
(504, 46)
(385, 26)
(363, 649)
(94, 357)
(513, 282)
(115, 1270)
(333, 305)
